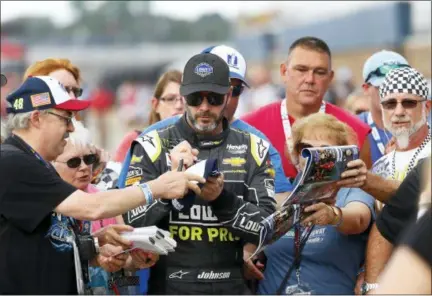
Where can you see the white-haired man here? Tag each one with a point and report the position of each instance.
(405, 105)
(374, 71)
(40, 119)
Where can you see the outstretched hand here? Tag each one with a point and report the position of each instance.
(173, 185)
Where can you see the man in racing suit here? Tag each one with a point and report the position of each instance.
(212, 229)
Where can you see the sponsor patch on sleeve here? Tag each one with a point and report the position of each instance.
(151, 144)
(259, 149)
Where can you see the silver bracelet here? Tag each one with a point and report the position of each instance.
(147, 193)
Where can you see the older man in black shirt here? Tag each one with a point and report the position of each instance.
(39, 212)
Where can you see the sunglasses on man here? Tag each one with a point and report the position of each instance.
(196, 99)
(75, 90)
(391, 104)
(75, 162)
(237, 90)
(384, 69)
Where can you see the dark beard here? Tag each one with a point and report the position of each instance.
(193, 120)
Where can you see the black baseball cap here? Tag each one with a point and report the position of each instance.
(205, 72)
(3, 80)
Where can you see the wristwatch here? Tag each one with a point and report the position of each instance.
(366, 287)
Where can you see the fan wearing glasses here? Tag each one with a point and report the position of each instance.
(336, 247)
(405, 105)
(61, 69)
(374, 71)
(75, 166)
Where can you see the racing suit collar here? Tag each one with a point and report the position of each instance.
(202, 140)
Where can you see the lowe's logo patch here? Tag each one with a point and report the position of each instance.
(203, 69)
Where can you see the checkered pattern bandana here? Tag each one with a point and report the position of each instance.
(108, 180)
(404, 80)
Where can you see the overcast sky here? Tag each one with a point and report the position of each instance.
(61, 14)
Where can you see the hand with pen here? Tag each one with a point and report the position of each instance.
(183, 151)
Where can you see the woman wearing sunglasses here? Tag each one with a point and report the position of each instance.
(335, 249)
(75, 166)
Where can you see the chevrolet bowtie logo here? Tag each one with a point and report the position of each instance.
(178, 274)
(234, 161)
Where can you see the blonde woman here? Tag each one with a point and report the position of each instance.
(334, 252)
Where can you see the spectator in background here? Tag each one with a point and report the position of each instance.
(166, 102)
(336, 247)
(374, 70)
(61, 69)
(357, 103)
(307, 75)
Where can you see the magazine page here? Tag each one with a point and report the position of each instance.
(317, 182)
(324, 167)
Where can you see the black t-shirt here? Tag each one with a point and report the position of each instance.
(402, 207)
(419, 237)
(29, 192)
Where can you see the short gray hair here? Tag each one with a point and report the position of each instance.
(81, 136)
(19, 121)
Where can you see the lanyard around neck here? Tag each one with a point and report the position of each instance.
(287, 125)
(30, 150)
(375, 134)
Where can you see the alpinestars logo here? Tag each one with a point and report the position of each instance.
(214, 275)
(237, 149)
(178, 274)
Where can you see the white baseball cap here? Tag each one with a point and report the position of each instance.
(234, 59)
(379, 64)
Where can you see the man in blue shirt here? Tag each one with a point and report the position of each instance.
(237, 66)
(374, 71)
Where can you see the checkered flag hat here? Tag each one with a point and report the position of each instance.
(404, 80)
